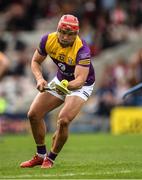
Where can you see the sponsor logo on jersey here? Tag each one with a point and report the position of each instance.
(70, 61)
(61, 66)
(61, 57)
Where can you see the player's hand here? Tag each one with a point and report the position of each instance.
(62, 88)
(41, 83)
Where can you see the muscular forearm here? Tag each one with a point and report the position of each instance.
(76, 84)
(80, 74)
(36, 65)
(4, 64)
(3, 69)
(41, 82)
(36, 70)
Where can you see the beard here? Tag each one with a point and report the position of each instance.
(66, 43)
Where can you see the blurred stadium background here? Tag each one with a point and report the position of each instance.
(113, 30)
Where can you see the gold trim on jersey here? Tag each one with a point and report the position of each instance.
(84, 62)
(65, 55)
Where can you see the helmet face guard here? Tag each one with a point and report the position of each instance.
(68, 24)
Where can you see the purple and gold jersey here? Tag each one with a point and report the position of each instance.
(67, 58)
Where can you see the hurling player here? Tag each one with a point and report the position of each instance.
(71, 54)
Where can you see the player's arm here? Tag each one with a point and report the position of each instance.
(4, 64)
(81, 73)
(37, 60)
(82, 68)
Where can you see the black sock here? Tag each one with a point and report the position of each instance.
(52, 155)
(41, 149)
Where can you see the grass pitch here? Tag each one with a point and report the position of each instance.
(85, 156)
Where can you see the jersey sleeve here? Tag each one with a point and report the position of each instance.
(41, 49)
(83, 55)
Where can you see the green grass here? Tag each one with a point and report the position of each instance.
(85, 156)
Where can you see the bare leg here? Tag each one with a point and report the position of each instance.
(53, 138)
(38, 130)
(43, 103)
(71, 108)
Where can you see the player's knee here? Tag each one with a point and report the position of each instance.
(32, 116)
(63, 120)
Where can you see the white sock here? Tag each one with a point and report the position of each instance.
(41, 155)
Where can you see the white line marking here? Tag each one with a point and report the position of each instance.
(46, 175)
(24, 176)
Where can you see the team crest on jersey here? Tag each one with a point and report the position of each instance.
(62, 66)
(61, 57)
(70, 61)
